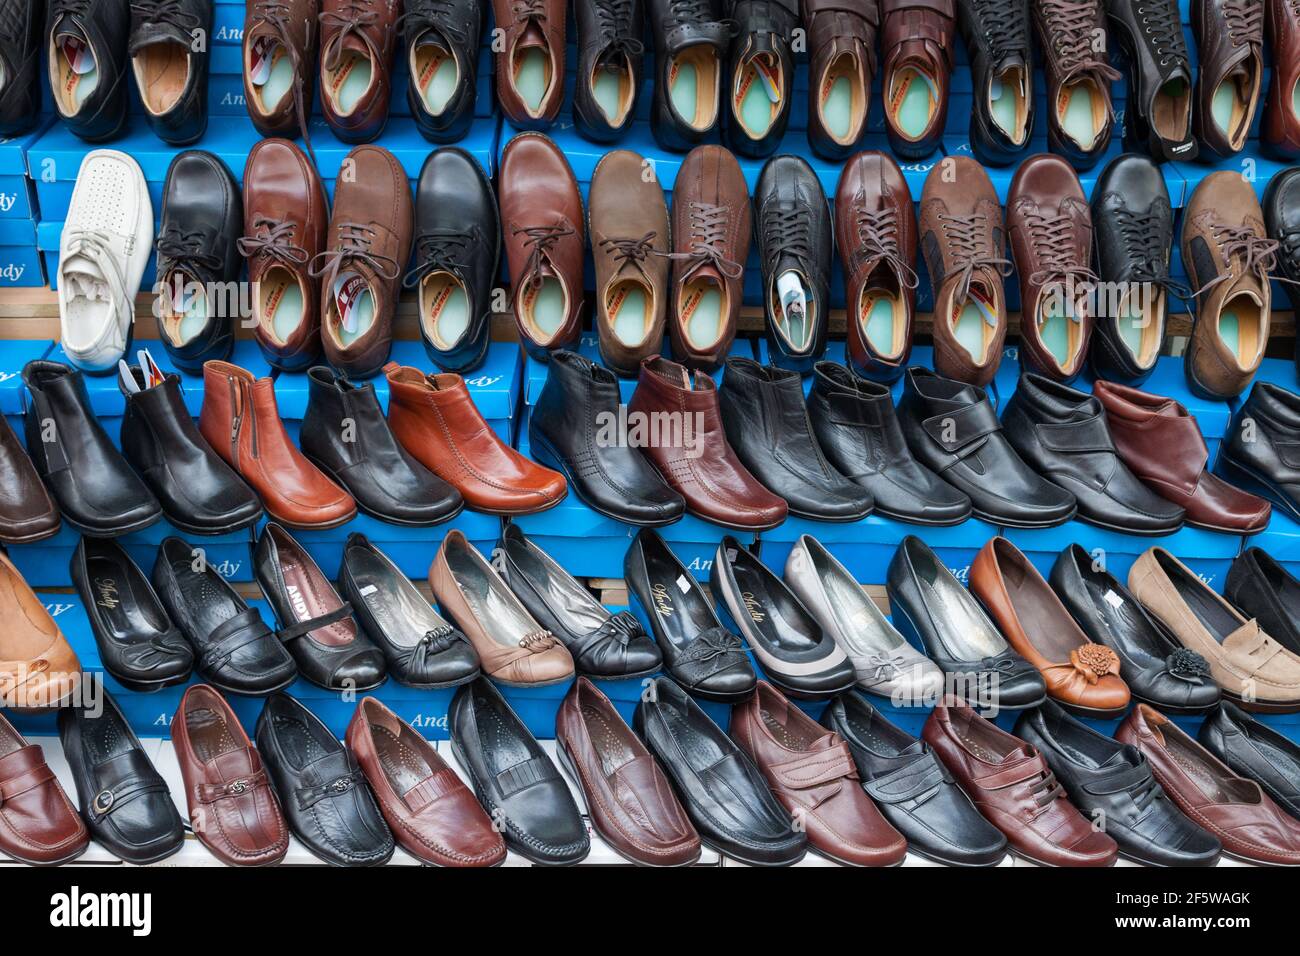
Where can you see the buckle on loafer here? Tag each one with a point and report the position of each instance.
(103, 801)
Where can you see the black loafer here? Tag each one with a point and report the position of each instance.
(20, 58)
(610, 56)
(1256, 752)
(440, 35)
(1261, 588)
(98, 29)
(1282, 222)
(162, 51)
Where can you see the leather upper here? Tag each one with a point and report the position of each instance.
(1280, 130)
(38, 824)
(1067, 31)
(997, 37)
(1258, 585)
(526, 26)
(104, 28)
(27, 512)
(292, 27)
(609, 41)
(164, 32)
(764, 29)
(1261, 448)
(918, 34)
(38, 668)
(352, 33)
(449, 28)
(840, 32)
(1151, 33)
(1229, 38)
(1255, 751)
(20, 53)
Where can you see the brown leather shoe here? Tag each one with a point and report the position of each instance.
(703, 469)
(360, 269)
(358, 39)
(1080, 675)
(232, 806)
(917, 73)
(841, 63)
(433, 815)
(285, 218)
(1050, 227)
(279, 56)
(38, 668)
(529, 60)
(1080, 115)
(38, 823)
(962, 241)
(711, 236)
(1011, 785)
(1245, 820)
(1161, 443)
(629, 243)
(437, 422)
(812, 774)
(629, 800)
(27, 512)
(1228, 256)
(875, 232)
(544, 231)
(512, 647)
(1229, 37)
(1280, 131)
(241, 421)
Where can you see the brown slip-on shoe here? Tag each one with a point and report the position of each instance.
(544, 231)
(711, 232)
(512, 647)
(964, 245)
(38, 668)
(628, 798)
(629, 243)
(1080, 675)
(27, 512)
(279, 57)
(916, 74)
(1229, 37)
(433, 815)
(529, 62)
(1254, 671)
(358, 40)
(38, 823)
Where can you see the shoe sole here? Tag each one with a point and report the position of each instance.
(1249, 480)
(32, 538)
(1029, 525)
(59, 862)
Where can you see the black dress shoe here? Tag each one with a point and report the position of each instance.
(1158, 670)
(1261, 588)
(124, 800)
(202, 219)
(757, 116)
(20, 64)
(1133, 231)
(1061, 433)
(1282, 222)
(234, 649)
(610, 56)
(720, 788)
(98, 493)
(797, 654)
(442, 37)
(1256, 752)
(1158, 113)
(138, 643)
(793, 223)
(421, 648)
(913, 788)
(516, 782)
(322, 790)
(198, 491)
(610, 477)
(604, 646)
(171, 70)
(767, 424)
(1111, 783)
(315, 623)
(90, 95)
(1259, 453)
(699, 653)
(688, 35)
(857, 428)
(952, 428)
(345, 434)
(940, 617)
(997, 37)
(457, 250)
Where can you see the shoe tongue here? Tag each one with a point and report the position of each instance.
(533, 38)
(82, 279)
(151, 34)
(434, 39)
(68, 27)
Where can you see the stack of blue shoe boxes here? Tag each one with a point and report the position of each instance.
(20, 263)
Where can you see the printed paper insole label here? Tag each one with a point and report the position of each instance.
(757, 97)
(80, 74)
(351, 81)
(355, 306)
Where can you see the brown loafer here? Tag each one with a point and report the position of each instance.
(27, 512)
(38, 823)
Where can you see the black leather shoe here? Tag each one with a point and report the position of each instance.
(124, 800)
(855, 424)
(171, 70)
(1158, 670)
(457, 251)
(198, 491)
(202, 219)
(1282, 222)
(345, 434)
(1256, 752)
(315, 623)
(939, 616)
(952, 428)
(797, 655)
(699, 653)
(720, 788)
(767, 424)
(1133, 231)
(138, 644)
(442, 39)
(604, 646)
(760, 76)
(610, 477)
(93, 99)
(1259, 453)
(912, 788)
(98, 493)
(234, 649)
(21, 39)
(1111, 783)
(1061, 434)
(516, 782)
(1261, 588)
(610, 56)
(421, 648)
(1158, 113)
(691, 36)
(793, 224)
(322, 790)
(997, 37)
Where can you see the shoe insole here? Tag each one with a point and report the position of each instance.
(281, 303)
(571, 602)
(968, 330)
(693, 86)
(629, 311)
(964, 630)
(348, 82)
(545, 305)
(770, 613)
(398, 608)
(1240, 329)
(437, 74)
(841, 99)
(880, 315)
(404, 764)
(446, 316)
(677, 604)
(701, 312)
(188, 312)
(532, 76)
(855, 611)
(75, 82)
(1171, 112)
(206, 596)
(759, 82)
(496, 609)
(1055, 333)
(1132, 328)
(210, 735)
(127, 615)
(610, 738)
(913, 102)
(279, 81)
(1006, 105)
(612, 89)
(500, 736)
(683, 89)
(1295, 99)
(311, 596)
(297, 742)
(162, 71)
(1230, 331)
(1078, 114)
(1228, 106)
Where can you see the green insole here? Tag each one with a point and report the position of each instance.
(914, 112)
(880, 326)
(288, 313)
(1077, 121)
(548, 306)
(755, 106)
(1003, 99)
(194, 319)
(705, 324)
(837, 107)
(530, 77)
(682, 91)
(441, 85)
(633, 317)
(354, 85)
(968, 330)
(278, 82)
(1230, 331)
(1054, 332)
(1131, 327)
(607, 87)
(86, 85)
(1225, 98)
(453, 320)
(364, 310)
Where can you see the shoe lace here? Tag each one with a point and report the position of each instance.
(790, 230)
(878, 234)
(436, 15)
(540, 240)
(694, 12)
(186, 250)
(965, 235)
(1072, 23)
(272, 238)
(708, 228)
(530, 10)
(275, 16)
(1143, 237)
(355, 241)
(1245, 20)
(632, 252)
(1004, 27)
(71, 8)
(351, 19)
(1052, 238)
(1163, 27)
(96, 245)
(165, 11)
(614, 20)
(1255, 254)
(441, 250)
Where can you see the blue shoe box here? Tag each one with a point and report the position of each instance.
(17, 198)
(20, 262)
(14, 354)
